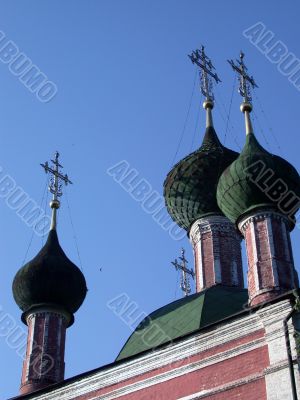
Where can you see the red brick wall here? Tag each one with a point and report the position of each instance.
(217, 375)
(208, 378)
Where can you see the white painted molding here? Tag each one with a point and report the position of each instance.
(237, 383)
(259, 216)
(212, 223)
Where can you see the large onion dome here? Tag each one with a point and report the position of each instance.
(244, 187)
(51, 279)
(190, 187)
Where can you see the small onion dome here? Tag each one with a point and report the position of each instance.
(247, 183)
(50, 279)
(190, 187)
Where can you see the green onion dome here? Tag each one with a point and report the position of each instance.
(247, 183)
(190, 187)
(50, 279)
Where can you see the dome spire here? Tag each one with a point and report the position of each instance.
(256, 204)
(246, 83)
(49, 289)
(207, 77)
(190, 197)
(55, 186)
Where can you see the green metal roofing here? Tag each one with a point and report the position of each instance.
(184, 316)
(190, 187)
(237, 194)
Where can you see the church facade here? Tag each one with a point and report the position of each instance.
(225, 342)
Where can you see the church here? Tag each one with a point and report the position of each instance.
(224, 342)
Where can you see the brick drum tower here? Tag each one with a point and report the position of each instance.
(49, 289)
(255, 194)
(190, 194)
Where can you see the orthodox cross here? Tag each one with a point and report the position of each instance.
(55, 185)
(245, 80)
(207, 75)
(185, 273)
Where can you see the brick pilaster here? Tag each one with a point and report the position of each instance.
(44, 362)
(217, 251)
(271, 268)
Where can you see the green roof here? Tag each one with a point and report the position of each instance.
(183, 317)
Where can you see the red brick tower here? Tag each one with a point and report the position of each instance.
(260, 193)
(217, 250)
(190, 195)
(49, 289)
(269, 252)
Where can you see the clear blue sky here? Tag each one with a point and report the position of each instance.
(124, 85)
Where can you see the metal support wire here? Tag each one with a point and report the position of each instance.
(74, 233)
(32, 233)
(197, 123)
(227, 121)
(186, 118)
(45, 211)
(224, 119)
(268, 124)
(230, 106)
(261, 129)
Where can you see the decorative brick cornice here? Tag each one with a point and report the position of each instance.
(43, 309)
(260, 216)
(237, 383)
(43, 313)
(212, 223)
(274, 313)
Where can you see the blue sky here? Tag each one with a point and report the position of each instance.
(124, 86)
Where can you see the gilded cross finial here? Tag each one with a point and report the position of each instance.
(55, 185)
(207, 77)
(207, 74)
(185, 273)
(246, 81)
(246, 84)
